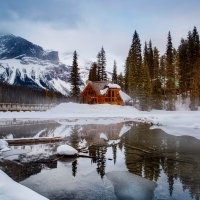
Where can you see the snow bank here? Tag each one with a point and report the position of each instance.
(11, 190)
(66, 150)
(131, 186)
(124, 96)
(3, 146)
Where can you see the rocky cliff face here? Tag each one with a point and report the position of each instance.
(12, 47)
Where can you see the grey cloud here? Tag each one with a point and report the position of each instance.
(58, 13)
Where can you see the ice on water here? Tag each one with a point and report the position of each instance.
(129, 186)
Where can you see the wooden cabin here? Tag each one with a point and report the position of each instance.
(102, 92)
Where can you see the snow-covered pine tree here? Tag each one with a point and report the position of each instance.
(75, 77)
(114, 75)
(170, 84)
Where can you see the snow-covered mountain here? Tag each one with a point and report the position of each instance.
(27, 64)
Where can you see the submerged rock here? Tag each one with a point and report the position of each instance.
(130, 186)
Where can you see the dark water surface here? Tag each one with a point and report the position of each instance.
(172, 162)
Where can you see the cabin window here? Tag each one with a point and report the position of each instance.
(112, 93)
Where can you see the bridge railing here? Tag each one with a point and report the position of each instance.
(25, 107)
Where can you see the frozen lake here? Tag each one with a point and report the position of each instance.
(130, 161)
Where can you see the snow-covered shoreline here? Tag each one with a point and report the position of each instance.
(9, 189)
(104, 113)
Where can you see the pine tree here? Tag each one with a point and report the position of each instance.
(121, 81)
(93, 76)
(193, 57)
(145, 89)
(134, 63)
(101, 63)
(75, 77)
(157, 91)
(170, 84)
(99, 69)
(150, 61)
(114, 75)
(183, 68)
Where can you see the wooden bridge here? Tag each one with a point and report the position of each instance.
(25, 107)
(14, 122)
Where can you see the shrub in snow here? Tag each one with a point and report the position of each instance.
(66, 150)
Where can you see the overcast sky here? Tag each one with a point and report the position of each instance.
(87, 25)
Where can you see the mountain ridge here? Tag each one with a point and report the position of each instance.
(27, 64)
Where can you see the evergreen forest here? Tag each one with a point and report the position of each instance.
(155, 81)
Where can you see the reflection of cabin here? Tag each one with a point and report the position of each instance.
(103, 92)
(112, 131)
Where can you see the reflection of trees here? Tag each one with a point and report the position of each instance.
(177, 156)
(74, 168)
(74, 137)
(114, 149)
(21, 171)
(99, 152)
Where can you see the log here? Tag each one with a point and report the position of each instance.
(24, 141)
(143, 150)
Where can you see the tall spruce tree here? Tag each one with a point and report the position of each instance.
(193, 57)
(101, 63)
(133, 67)
(75, 77)
(99, 69)
(150, 61)
(183, 69)
(170, 84)
(114, 75)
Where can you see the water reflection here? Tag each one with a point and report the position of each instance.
(171, 161)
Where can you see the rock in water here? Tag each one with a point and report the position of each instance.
(66, 150)
(130, 186)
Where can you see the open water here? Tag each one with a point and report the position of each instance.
(130, 161)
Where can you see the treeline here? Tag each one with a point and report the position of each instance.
(154, 80)
(26, 95)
